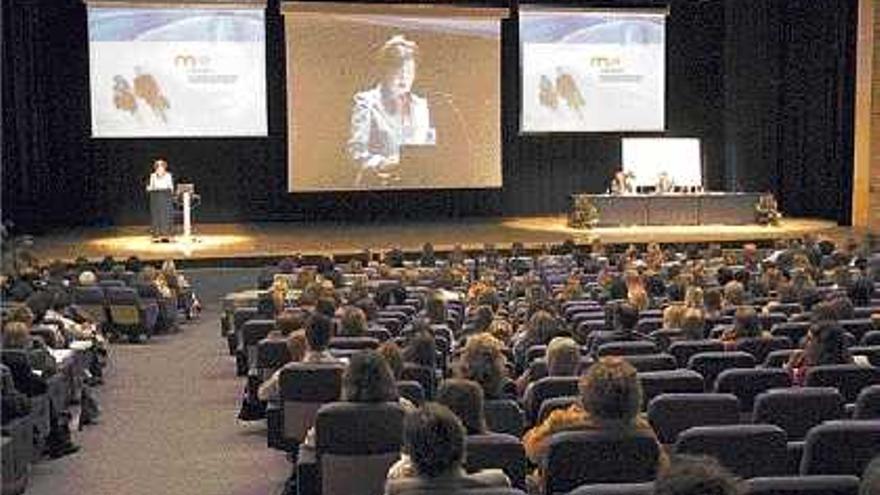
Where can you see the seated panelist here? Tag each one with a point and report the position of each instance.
(665, 185)
(622, 183)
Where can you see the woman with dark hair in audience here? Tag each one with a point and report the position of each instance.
(483, 361)
(480, 320)
(434, 440)
(861, 291)
(825, 344)
(746, 325)
(696, 475)
(352, 322)
(610, 400)
(465, 399)
(368, 378)
(421, 350)
(393, 356)
(541, 328)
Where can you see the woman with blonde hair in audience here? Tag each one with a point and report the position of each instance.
(693, 324)
(673, 316)
(693, 297)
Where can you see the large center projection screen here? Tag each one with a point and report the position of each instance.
(177, 72)
(592, 71)
(362, 117)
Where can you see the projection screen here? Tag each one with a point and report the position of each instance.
(392, 96)
(193, 70)
(592, 70)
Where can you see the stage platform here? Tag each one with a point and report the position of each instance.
(249, 243)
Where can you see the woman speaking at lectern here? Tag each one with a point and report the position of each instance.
(160, 189)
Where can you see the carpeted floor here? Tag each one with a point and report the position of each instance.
(169, 419)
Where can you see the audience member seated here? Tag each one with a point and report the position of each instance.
(693, 324)
(746, 325)
(316, 336)
(695, 475)
(825, 344)
(483, 361)
(30, 369)
(434, 440)
(610, 400)
(352, 322)
(626, 317)
(15, 403)
(563, 359)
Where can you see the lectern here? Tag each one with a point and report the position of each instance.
(186, 195)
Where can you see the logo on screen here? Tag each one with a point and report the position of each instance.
(605, 62)
(191, 61)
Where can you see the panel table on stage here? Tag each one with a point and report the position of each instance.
(672, 209)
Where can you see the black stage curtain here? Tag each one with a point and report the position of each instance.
(790, 99)
(768, 86)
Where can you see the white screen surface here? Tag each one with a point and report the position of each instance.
(647, 158)
(592, 71)
(177, 72)
(351, 128)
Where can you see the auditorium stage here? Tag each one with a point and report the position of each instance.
(248, 243)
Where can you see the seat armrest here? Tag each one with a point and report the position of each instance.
(795, 451)
(308, 476)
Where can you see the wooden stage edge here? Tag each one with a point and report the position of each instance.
(248, 243)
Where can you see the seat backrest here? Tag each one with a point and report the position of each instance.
(497, 451)
(272, 354)
(798, 409)
(746, 384)
(671, 414)
(121, 296)
(746, 450)
(868, 403)
(425, 375)
(546, 388)
(871, 338)
(794, 330)
(355, 444)
(648, 325)
(858, 327)
(802, 485)
(627, 348)
(841, 447)
(666, 336)
(711, 364)
(356, 343)
(680, 381)
(615, 489)
(554, 403)
(304, 388)
(412, 391)
(253, 331)
(504, 416)
(652, 362)
(849, 379)
(778, 359)
(575, 458)
(684, 349)
(759, 347)
(242, 315)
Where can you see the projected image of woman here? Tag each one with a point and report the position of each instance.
(388, 115)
